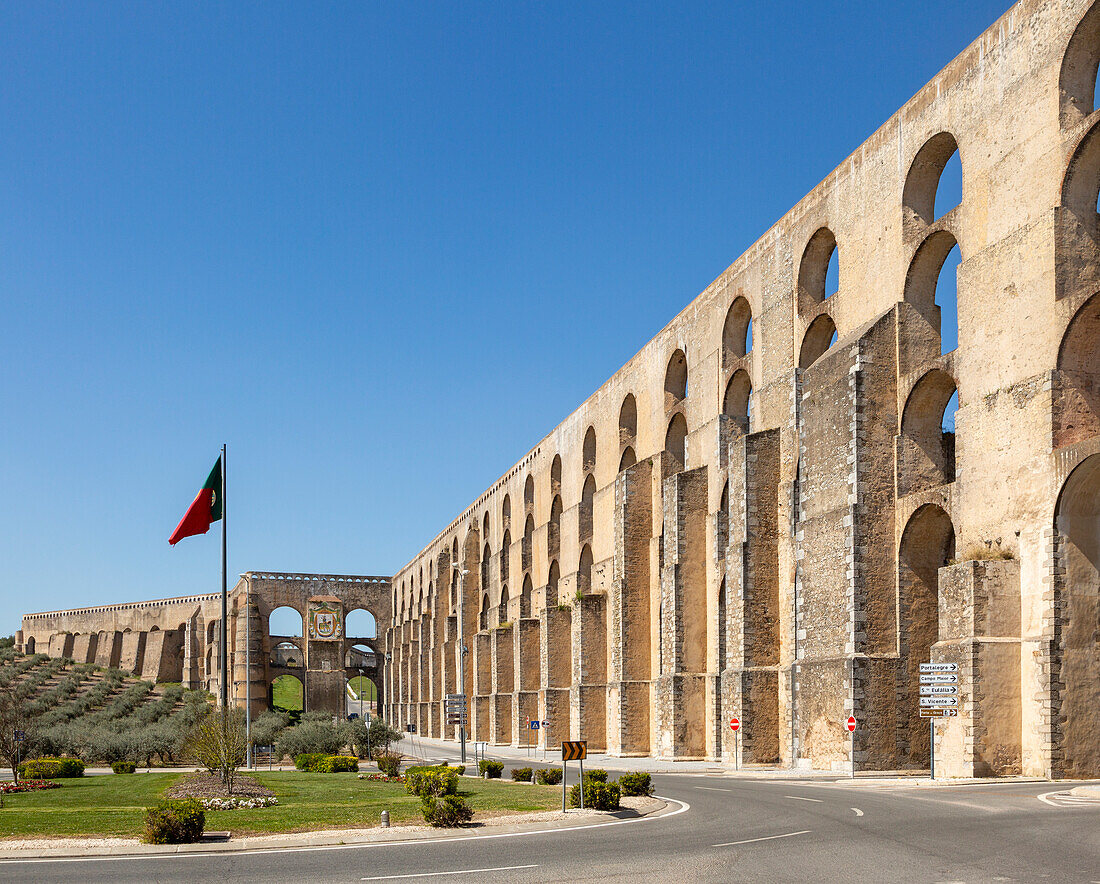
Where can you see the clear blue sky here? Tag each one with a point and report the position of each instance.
(324, 233)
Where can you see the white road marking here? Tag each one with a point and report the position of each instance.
(765, 838)
(712, 789)
(858, 811)
(369, 845)
(440, 874)
(1064, 799)
(800, 798)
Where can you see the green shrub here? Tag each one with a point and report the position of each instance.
(548, 776)
(521, 774)
(446, 812)
(493, 768)
(433, 780)
(124, 767)
(635, 784)
(597, 795)
(51, 768)
(174, 821)
(596, 775)
(311, 737)
(310, 761)
(338, 764)
(389, 763)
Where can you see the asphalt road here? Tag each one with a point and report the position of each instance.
(731, 830)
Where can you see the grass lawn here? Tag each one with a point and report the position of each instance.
(286, 693)
(371, 692)
(114, 805)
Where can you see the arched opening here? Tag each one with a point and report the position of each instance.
(360, 656)
(1079, 69)
(525, 597)
(927, 544)
(737, 331)
(552, 583)
(933, 186)
(213, 625)
(588, 462)
(283, 621)
(553, 534)
(735, 404)
(819, 270)
(628, 420)
(505, 548)
(722, 522)
(1077, 527)
(529, 494)
(502, 608)
(676, 442)
(676, 378)
(485, 527)
(819, 337)
(287, 654)
(486, 560)
(506, 512)
(722, 626)
(555, 475)
(360, 623)
(926, 450)
(528, 541)
(588, 496)
(584, 571)
(362, 696)
(1077, 398)
(28, 645)
(931, 285)
(288, 694)
(483, 616)
(628, 459)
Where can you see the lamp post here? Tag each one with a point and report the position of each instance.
(461, 662)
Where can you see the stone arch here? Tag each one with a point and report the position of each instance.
(529, 494)
(553, 534)
(552, 578)
(584, 571)
(486, 561)
(525, 597)
(28, 645)
(819, 337)
(722, 627)
(926, 451)
(502, 608)
(1077, 399)
(676, 380)
(927, 545)
(735, 403)
(288, 692)
(555, 475)
(359, 622)
(676, 441)
(923, 181)
(1077, 639)
(483, 614)
(814, 282)
(588, 460)
(588, 496)
(284, 620)
(485, 527)
(736, 331)
(1077, 78)
(505, 557)
(628, 420)
(922, 279)
(506, 513)
(628, 459)
(528, 542)
(722, 522)
(287, 653)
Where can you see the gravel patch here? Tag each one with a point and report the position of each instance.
(203, 785)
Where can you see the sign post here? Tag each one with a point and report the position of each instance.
(851, 725)
(938, 699)
(735, 726)
(573, 750)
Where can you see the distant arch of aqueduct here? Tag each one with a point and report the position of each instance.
(768, 513)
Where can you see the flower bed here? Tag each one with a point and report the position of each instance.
(27, 786)
(381, 778)
(236, 803)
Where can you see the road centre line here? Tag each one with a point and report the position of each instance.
(800, 798)
(405, 842)
(712, 789)
(765, 838)
(440, 874)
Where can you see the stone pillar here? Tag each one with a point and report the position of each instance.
(555, 649)
(588, 696)
(503, 684)
(133, 652)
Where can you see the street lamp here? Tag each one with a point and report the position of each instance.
(461, 572)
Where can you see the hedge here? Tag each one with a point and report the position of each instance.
(597, 795)
(174, 821)
(51, 768)
(319, 762)
(447, 811)
(124, 767)
(548, 776)
(491, 768)
(521, 774)
(635, 784)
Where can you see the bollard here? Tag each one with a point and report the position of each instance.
(385, 819)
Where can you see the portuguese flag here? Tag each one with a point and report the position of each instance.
(206, 508)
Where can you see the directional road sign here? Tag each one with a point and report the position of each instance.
(939, 667)
(934, 690)
(939, 701)
(939, 678)
(19, 736)
(574, 750)
(939, 713)
(455, 697)
(735, 723)
(851, 724)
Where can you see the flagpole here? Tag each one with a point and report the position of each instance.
(225, 604)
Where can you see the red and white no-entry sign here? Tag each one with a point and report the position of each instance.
(851, 724)
(735, 723)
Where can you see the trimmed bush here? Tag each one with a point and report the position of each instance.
(431, 782)
(597, 795)
(124, 767)
(388, 763)
(548, 776)
(310, 761)
(596, 775)
(521, 774)
(51, 768)
(493, 768)
(174, 821)
(635, 784)
(446, 812)
(339, 764)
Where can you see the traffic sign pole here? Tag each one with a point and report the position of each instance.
(932, 747)
(851, 725)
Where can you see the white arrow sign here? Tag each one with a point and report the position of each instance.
(939, 701)
(938, 678)
(939, 667)
(931, 690)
